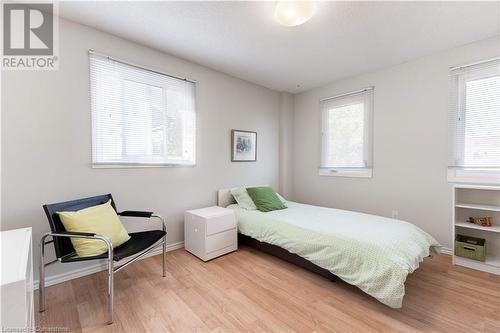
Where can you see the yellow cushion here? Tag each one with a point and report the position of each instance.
(100, 219)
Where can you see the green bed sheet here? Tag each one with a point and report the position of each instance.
(371, 252)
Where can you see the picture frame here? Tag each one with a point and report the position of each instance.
(243, 146)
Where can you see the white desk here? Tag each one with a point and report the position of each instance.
(17, 280)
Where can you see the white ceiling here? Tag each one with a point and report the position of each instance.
(342, 39)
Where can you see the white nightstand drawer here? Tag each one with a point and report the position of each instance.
(221, 240)
(221, 223)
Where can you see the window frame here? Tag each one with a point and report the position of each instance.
(464, 174)
(365, 95)
(123, 77)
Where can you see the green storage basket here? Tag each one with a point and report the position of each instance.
(470, 247)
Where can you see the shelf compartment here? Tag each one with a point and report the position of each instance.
(492, 208)
(493, 228)
(491, 265)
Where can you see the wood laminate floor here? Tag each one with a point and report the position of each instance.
(248, 291)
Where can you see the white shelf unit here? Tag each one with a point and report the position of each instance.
(478, 201)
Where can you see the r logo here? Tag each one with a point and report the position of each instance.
(28, 29)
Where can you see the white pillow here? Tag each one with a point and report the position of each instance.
(281, 198)
(241, 196)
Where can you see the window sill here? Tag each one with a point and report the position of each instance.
(346, 172)
(132, 166)
(474, 176)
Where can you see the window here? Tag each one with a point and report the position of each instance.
(140, 117)
(346, 134)
(475, 123)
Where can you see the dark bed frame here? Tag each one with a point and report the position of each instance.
(285, 255)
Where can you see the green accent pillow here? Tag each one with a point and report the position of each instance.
(265, 199)
(241, 196)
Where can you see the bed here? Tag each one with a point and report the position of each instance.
(374, 253)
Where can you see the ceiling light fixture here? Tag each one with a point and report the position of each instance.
(293, 13)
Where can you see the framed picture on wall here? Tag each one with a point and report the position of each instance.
(243, 146)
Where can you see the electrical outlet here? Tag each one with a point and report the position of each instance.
(395, 214)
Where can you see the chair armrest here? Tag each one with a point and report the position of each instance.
(163, 222)
(72, 233)
(135, 213)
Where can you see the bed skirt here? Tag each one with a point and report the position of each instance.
(285, 255)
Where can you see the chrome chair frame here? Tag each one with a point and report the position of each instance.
(111, 268)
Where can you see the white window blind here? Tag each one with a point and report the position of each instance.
(140, 117)
(346, 131)
(475, 121)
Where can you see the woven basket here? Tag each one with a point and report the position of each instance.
(470, 247)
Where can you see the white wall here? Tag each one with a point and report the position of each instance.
(410, 142)
(286, 144)
(46, 139)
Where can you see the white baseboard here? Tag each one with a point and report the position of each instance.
(446, 250)
(97, 267)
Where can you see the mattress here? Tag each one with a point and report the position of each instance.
(374, 253)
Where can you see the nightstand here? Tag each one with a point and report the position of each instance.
(210, 232)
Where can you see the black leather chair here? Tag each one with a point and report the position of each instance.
(139, 244)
